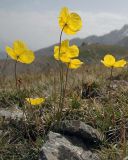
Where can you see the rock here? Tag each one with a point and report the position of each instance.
(59, 147)
(77, 128)
(75, 141)
(13, 113)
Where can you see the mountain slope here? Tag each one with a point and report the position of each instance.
(116, 37)
(123, 42)
(111, 38)
(95, 52)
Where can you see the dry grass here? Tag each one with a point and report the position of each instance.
(103, 108)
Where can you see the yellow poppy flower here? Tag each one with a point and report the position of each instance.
(20, 52)
(69, 22)
(75, 63)
(35, 101)
(120, 63)
(59, 51)
(73, 51)
(64, 58)
(110, 61)
(66, 52)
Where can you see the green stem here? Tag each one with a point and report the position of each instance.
(61, 33)
(66, 78)
(15, 71)
(110, 98)
(18, 89)
(110, 77)
(61, 69)
(64, 90)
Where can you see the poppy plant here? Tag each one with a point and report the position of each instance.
(20, 52)
(35, 101)
(70, 23)
(110, 61)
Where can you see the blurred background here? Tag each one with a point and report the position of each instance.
(105, 27)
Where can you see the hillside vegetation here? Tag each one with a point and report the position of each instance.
(94, 109)
(92, 53)
(87, 83)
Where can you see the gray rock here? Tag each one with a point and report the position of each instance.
(59, 147)
(13, 113)
(81, 130)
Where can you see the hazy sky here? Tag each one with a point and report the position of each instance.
(35, 21)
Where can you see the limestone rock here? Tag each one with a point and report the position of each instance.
(81, 130)
(59, 147)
